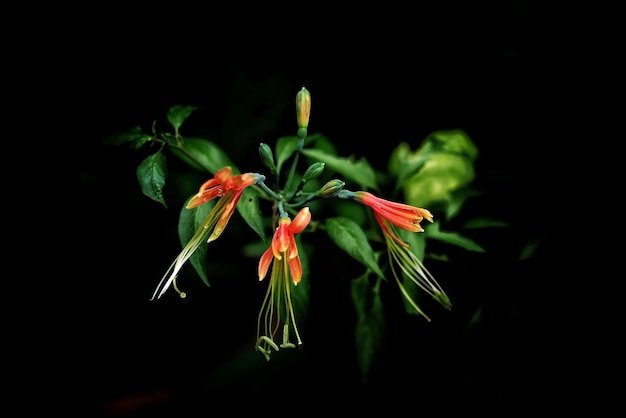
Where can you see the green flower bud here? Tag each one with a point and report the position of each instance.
(331, 189)
(303, 108)
(267, 157)
(313, 171)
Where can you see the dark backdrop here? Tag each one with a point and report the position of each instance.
(378, 76)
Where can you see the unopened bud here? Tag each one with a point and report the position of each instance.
(313, 171)
(303, 109)
(331, 189)
(267, 157)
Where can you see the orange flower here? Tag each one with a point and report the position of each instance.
(229, 188)
(392, 215)
(277, 306)
(399, 214)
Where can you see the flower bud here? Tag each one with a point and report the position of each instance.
(313, 171)
(267, 157)
(303, 109)
(331, 189)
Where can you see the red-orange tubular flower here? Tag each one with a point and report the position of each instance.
(229, 189)
(277, 306)
(404, 263)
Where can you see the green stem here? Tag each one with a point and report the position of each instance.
(289, 187)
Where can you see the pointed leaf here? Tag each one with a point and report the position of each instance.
(454, 141)
(349, 236)
(285, 147)
(433, 232)
(134, 136)
(300, 293)
(359, 172)
(477, 223)
(188, 223)
(403, 163)
(203, 155)
(177, 115)
(369, 332)
(248, 208)
(151, 174)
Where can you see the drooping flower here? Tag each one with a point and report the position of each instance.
(229, 189)
(277, 306)
(404, 263)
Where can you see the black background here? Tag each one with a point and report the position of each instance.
(378, 75)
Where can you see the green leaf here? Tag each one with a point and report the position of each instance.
(403, 163)
(285, 147)
(177, 115)
(369, 332)
(349, 236)
(300, 293)
(477, 223)
(249, 209)
(151, 174)
(134, 136)
(188, 223)
(436, 172)
(433, 232)
(203, 155)
(359, 172)
(321, 143)
(454, 141)
(529, 250)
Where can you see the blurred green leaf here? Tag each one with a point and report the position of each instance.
(433, 232)
(321, 143)
(435, 172)
(300, 292)
(438, 179)
(529, 250)
(478, 223)
(370, 325)
(454, 141)
(177, 115)
(151, 174)
(359, 172)
(403, 163)
(203, 155)
(188, 223)
(457, 199)
(285, 147)
(134, 136)
(349, 236)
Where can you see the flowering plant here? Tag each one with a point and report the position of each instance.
(376, 219)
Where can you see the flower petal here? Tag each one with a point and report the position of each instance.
(264, 263)
(301, 221)
(295, 267)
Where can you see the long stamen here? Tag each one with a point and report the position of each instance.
(290, 311)
(172, 272)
